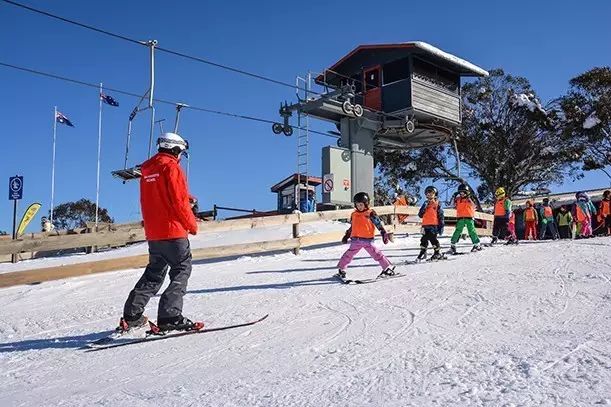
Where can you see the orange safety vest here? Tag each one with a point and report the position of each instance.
(529, 214)
(430, 214)
(465, 208)
(401, 201)
(605, 208)
(581, 216)
(548, 212)
(499, 207)
(362, 226)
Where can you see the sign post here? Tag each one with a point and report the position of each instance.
(15, 193)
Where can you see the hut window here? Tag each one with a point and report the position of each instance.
(372, 79)
(396, 70)
(436, 76)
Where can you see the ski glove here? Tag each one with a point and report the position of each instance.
(386, 237)
(345, 239)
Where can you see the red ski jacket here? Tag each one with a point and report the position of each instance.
(164, 199)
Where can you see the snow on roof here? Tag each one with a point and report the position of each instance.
(591, 121)
(449, 57)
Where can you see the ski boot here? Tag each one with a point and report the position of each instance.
(452, 249)
(388, 271)
(476, 247)
(178, 323)
(341, 273)
(437, 255)
(128, 324)
(494, 240)
(422, 254)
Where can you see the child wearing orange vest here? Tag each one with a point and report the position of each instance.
(364, 221)
(604, 212)
(431, 213)
(531, 219)
(400, 200)
(547, 221)
(465, 211)
(583, 211)
(502, 212)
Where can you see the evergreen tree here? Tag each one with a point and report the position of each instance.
(507, 138)
(71, 215)
(586, 114)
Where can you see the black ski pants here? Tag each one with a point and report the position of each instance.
(430, 235)
(174, 255)
(499, 227)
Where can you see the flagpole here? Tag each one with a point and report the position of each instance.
(97, 185)
(53, 163)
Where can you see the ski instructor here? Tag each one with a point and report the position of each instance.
(168, 220)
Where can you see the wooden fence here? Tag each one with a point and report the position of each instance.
(120, 235)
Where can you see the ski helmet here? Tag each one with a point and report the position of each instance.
(362, 197)
(172, 141)
(529, 202)
(500, 191)
(545, 201)
(606, 194)
(430, 189)
(463, 188)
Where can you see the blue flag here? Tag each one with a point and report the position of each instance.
(60, 118)
(108, 100)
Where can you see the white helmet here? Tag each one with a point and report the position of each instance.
(170, 141)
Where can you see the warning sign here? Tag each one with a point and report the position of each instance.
(327, 183)
(346, 184)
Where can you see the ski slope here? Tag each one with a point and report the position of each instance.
(525, 325)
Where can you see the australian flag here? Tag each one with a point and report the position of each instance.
(108, 100)
(60, 118)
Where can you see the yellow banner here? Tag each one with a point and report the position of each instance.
(27, 217)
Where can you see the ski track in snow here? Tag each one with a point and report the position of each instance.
(509, 326)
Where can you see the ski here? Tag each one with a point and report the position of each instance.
(95, 346)
(367, 280)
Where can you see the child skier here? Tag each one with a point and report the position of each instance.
(565, 220)
(361, 233)
(547, 221)
(583, 212)
(531, 219)
(465, 211)
(604, 212)
(502, 211)
(431, 213)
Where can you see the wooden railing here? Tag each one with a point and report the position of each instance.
(119, 235)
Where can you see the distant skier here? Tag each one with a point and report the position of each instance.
(361, 233)
(502, 212)
(584, 210)
(531, 220)
(547, 221)
(565, 221)
(465, 212)
(604, 213)
(399, 199)
(431, 213)
(168, 220)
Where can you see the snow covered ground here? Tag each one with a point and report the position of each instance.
(525, 325)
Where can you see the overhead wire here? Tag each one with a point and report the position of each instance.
(194, 58)
(135, 95)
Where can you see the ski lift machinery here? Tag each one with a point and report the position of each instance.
(386, 96)
(130, 173)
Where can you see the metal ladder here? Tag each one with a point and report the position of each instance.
(303, 88)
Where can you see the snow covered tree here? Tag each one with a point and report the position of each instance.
(71, 215)
(507, 138)
(586, 114)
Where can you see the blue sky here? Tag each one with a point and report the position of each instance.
(234, 161)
